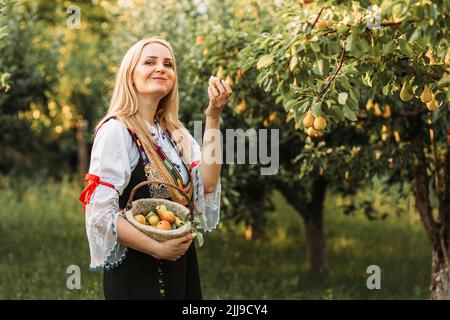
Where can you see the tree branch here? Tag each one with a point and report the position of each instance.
(338, 68)
(382, 25)
(435, 158)
(317, 18)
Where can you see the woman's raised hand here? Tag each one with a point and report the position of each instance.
(218, 91)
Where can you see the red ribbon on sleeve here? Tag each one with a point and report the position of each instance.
(94, 181)
(193, 165)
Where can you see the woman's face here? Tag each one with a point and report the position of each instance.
(154, 62)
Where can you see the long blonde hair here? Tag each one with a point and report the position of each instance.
(124, 102)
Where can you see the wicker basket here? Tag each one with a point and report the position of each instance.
(141, 206)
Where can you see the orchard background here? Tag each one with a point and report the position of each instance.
(359, 91)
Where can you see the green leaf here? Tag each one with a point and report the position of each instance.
(367, 80)
(321, 67)
(445, 81)
(247, 65)
(291, 104)
(303, 107)
(406, 48)
(265, 61)
(315, 47)
(198, 220)
(316, 107)
(363, 45)
(352, 104)
(385, 89)
(199, 238)
(342, 97)
(388, 48)
(344, 83)
(349, 114)
(349, 45)
(339, 114)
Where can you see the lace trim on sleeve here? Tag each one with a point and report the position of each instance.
(101, 223)
(208, 204)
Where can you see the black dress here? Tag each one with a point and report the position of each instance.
(141, 276)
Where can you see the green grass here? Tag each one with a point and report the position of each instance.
(44, 233)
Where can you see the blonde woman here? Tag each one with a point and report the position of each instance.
(142, 138)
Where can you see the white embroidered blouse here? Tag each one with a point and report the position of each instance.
(114, 157)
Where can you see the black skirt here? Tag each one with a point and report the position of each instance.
(138, 277)
(141, 276)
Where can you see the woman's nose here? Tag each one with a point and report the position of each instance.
(159, 67)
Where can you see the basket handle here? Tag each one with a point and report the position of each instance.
(148, 182)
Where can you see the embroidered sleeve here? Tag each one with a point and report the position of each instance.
(208, 204)
(110, 162)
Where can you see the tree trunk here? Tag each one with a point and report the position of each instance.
(315, 238)
(437, 231)
(440, 279)
(315, 241)
(312, 214)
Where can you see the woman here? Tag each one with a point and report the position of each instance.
(141, 138)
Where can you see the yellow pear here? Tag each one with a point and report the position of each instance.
(387, 112)
(405, 93)
(426, 95)
(432, 104)
(377, 109)
(308, 120)
(430, 56)
(384, 133)
(229, 80)
(241, 107)
(160, 209)
(320, 123)
(220, 72)
(200, 39)
(397, 136)
(273, 117)
(178, 222)
(140, 218)
(313, 132)
(153, 219)
(347, 175)
(369, 104)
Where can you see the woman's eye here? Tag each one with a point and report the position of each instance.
(166, 64)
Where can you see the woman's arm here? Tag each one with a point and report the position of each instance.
(218, 91)
(210, 171)
(132, 237)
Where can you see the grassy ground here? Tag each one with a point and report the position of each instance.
(44, 233)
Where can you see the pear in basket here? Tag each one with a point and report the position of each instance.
(168, 216)
(161, 208)
(152, 219)
(140, 218)
(178, 222)
(165, 214)
(164, 225)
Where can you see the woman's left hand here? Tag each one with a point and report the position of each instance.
(218, 91)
